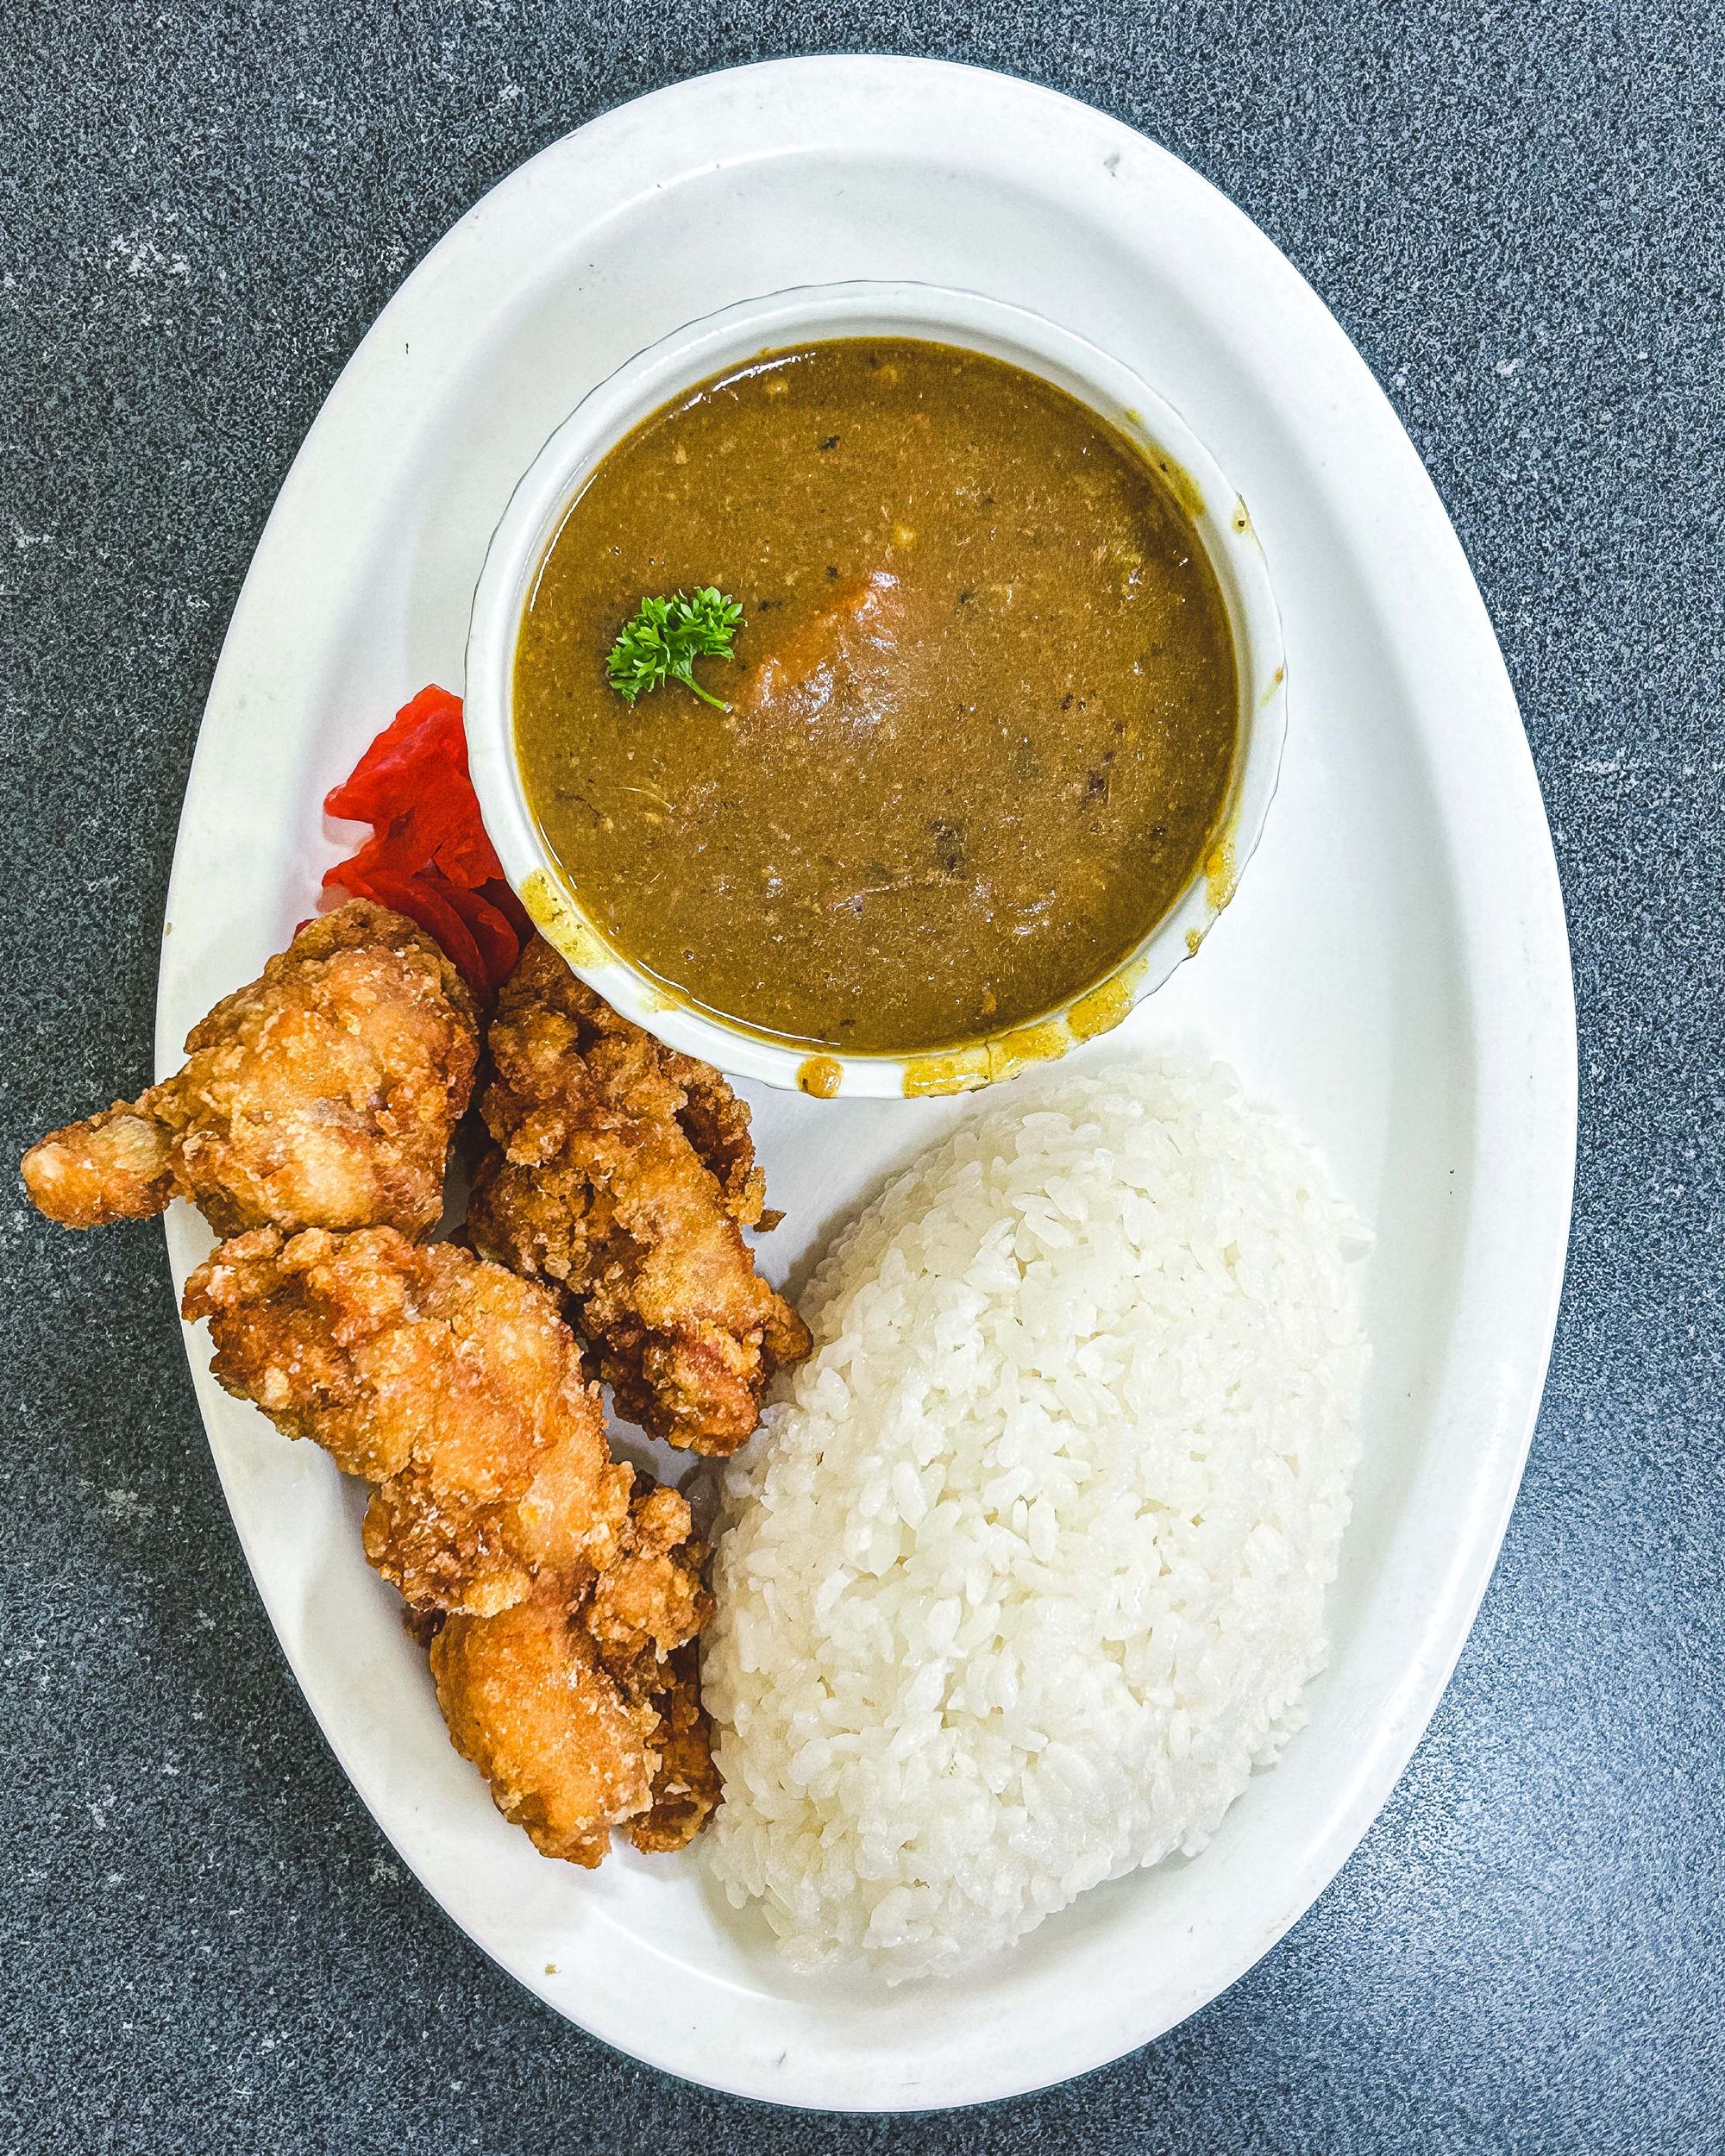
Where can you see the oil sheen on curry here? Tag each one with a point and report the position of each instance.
(983, 700)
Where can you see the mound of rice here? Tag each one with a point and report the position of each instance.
(1026, 1574)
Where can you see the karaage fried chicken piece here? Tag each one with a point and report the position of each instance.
(323, 1094)
(528, 1702)
(449, 1384)
(645, 1614)
(582, 1715)
(622, 1175)
(453, 1387)
(686, 1784)
(650, 1600)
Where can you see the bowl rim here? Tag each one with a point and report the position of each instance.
(730, 336)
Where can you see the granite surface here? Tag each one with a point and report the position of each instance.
(204, 1943)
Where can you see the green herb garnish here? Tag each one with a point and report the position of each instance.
(665, 639)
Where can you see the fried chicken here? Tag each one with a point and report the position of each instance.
(582, 1715)
(651, 1600)
(572, 1593)
(448, 1383)
(622, 1173)
(312, 1124)
(323, 1094)
(686, 1784)
(528, 1702)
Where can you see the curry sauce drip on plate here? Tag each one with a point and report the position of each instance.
(983, 706)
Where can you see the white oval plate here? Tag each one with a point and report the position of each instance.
(1394, 976)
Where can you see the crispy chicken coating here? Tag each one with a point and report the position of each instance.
(686, 1784)
(582, 1715)
(565, 1668)
(651, 1600)
(323, 1094)
(312, 1124)
(528, 1702)
(622, 1173)
(449, 1384)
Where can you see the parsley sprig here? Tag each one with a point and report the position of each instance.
(666, 637)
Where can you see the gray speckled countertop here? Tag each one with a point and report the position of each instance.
(204, 1943)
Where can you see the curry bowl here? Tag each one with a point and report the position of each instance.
(814, 314)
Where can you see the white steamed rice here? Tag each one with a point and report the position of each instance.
(1027, 1573)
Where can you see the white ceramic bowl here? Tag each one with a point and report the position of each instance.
(742, 332)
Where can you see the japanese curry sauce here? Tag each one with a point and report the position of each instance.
(984, 705)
